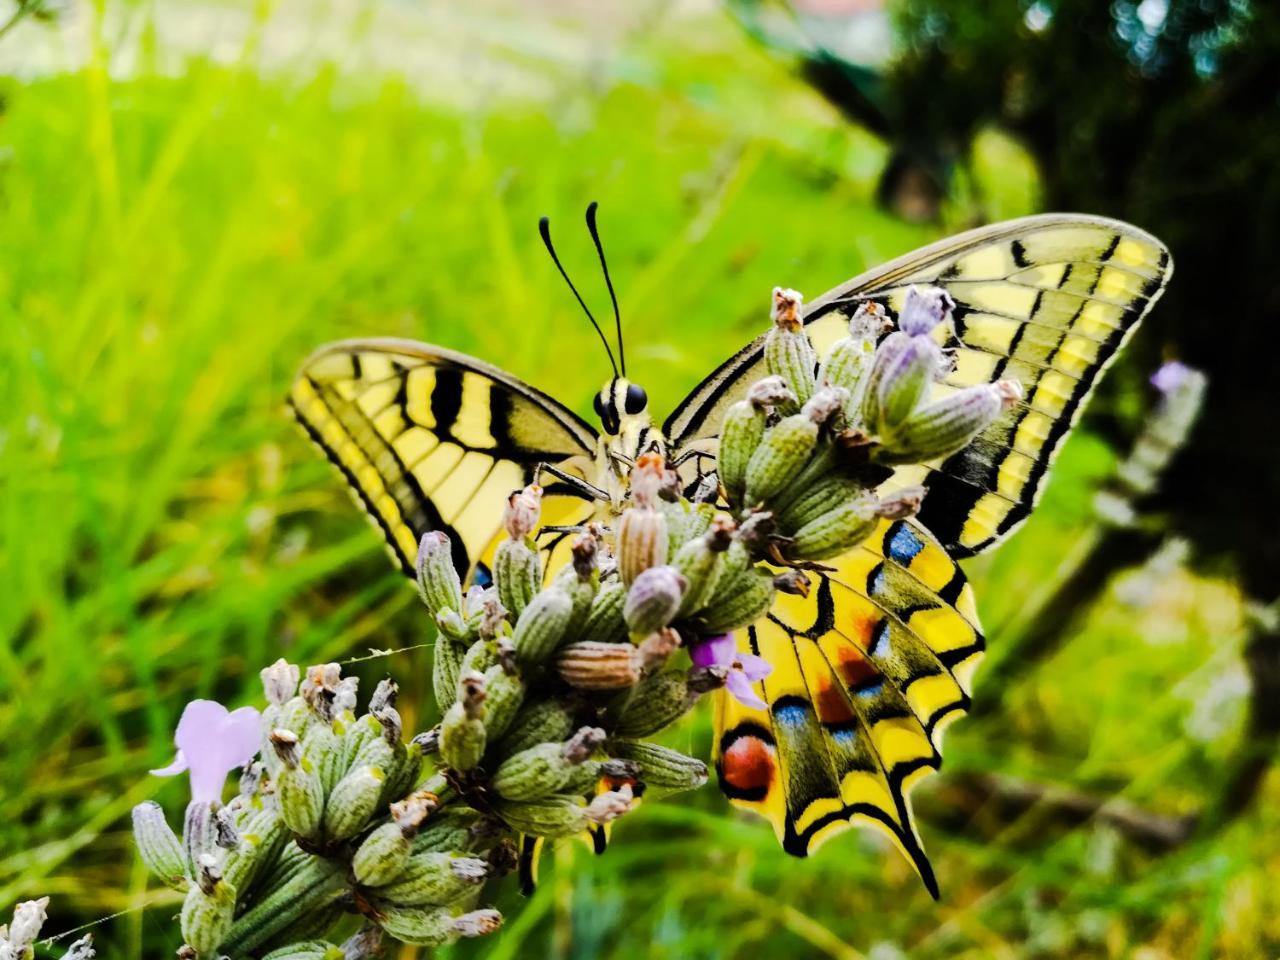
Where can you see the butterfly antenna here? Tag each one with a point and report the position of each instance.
(544, 228)
(617, 318)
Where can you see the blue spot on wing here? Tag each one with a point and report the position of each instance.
(880, 639)
(791, 714)
(844, 735)
(869, 692)
(876, 581)
(902, 544)
(482, 577)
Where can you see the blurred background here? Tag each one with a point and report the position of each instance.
(196, 193)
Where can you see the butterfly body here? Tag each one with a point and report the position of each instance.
(870, 667)
(627, 431)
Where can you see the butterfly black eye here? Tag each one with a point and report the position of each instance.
(636, 400)
(598, 405)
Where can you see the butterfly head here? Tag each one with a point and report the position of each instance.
(621, 404)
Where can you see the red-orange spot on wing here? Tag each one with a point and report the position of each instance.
(854, 668)
(748, 765)
(832, 705)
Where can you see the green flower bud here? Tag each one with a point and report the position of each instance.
(438, 582)
(435, 879)
(902, 374)
(658, 702)
(816, 499)
(517, 572)
(504, 692)
(947, 425)
(642, 541)
(310, 927)
(437, 926)
(309, 891)
(742, 601)
(542, 626)
(462, 733)
(580, 579)
(559, 815)
(604, 623)
(686, 521)
(743, 429)
(599, 666)
(654, 599)
(208, 910)
(545, 769)
(353, 802)
(538, 722)
(445, 669)
(781, 454)
(480, 656)
(307, 950)
(836, 531)
(383, 855)
(324, 749)
(848, 365)
(356, 735)
(788, 353)
(660, 766)
(262, 837)
(199, 833)
(450, 829)
(158, 846)
(740, 434)
(298, 787)
(701, 561)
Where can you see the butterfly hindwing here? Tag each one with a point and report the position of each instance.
(429, 439)
(1044, 300)
(867, 671)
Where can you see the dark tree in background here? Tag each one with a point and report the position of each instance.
(1165, 113)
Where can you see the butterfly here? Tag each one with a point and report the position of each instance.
(878, 659)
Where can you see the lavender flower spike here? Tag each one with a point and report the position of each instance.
(212, 741)
(745, 669)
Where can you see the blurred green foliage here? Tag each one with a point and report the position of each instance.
(179, 232)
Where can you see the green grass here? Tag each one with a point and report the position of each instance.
(175, 242)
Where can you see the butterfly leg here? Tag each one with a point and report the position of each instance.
(588, 491)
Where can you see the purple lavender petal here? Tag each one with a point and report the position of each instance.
(179, 765)
(240, 737)
(212, 742)
(740, 687)
(717, 651)
(1170, 376)
(754, 668)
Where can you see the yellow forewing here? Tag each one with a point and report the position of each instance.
(1045, 300)
(433, 440)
